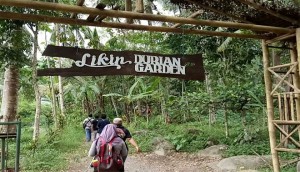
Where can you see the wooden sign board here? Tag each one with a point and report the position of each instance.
(91, 62)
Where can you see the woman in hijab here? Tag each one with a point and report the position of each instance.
(109, 135)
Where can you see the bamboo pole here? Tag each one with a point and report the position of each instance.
(281, 37)
(284, 122)
(282, 79)
(286, 112)
(43, 18)
(194, 15)
(78, 3)
(134, 15)
(292, 107)
(281, 117)
(288, 150)
(288, 136)
(295, 55)
(270, 106)
(273, 13)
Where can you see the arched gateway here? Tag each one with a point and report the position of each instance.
(270, 23)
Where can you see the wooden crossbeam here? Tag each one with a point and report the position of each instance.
(284, 122)
(273, 13)
(144, 16)
(288, 136)
(100, 18)
(194, 15)
(281, 37)
(92, 17)
(282, 79)
(287, 150)
(79, 3)
(62, 20)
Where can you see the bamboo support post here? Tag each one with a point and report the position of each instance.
(286, 112)
(296, 81)
(281, 114)
(298, 48)
(141, 16)
(270, 107)
(292, 106)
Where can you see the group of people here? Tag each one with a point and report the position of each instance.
(101, 131)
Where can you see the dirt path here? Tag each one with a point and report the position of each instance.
(149, 162)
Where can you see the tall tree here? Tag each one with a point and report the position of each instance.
(14, 49)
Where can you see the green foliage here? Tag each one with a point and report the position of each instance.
(51, 153)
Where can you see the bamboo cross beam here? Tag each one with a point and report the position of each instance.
(62, 20)
(144, 16)
(79, 3)
(92, 17)
(273, 13)
(281, 37)
(194, 15)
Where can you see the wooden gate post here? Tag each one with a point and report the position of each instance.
(270, 106)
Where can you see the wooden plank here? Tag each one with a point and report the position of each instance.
(144, 16)
(79, 22)
(91, 62)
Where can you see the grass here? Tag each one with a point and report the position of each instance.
(53, 151)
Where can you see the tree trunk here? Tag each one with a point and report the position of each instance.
(226, 121)
(87, 104)
(10, 98)
(53, 100)
(114, 105)
(139, 6)
(128, 7)
(36, 128)
(211, 106)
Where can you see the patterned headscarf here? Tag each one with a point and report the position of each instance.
(109, 132)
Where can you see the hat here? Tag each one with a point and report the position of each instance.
(117, 121)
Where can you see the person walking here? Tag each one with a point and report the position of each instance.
(95, 126)
(87, 125)
(117, 146)
(127, 134)
(102, 122)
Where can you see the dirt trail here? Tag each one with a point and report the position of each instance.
(149, 162)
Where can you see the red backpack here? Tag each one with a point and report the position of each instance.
(107, 159)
